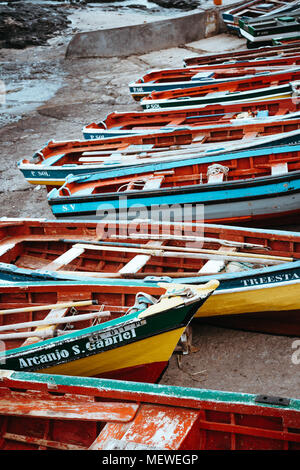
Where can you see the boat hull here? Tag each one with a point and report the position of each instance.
(98, 414)
(283, 91)
(140, 344)
(239, 202)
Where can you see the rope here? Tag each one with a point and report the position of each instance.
(215, 169)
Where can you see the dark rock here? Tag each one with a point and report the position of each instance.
(180, 4)
(26, 24)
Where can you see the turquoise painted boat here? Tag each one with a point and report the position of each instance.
(264, 31)
(57, 160)
(62, 337)
(237, 191)
(258, 269)
(172, 79)
(42, 411)
(259, 90)
(255, 9)
(122, 124)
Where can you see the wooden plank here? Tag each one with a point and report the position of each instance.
(139, 261)
(18, 404)
(153, 183)
(181, 252)
(5, 248)
(215, 178)
(72, 319)
(279, 168)
(48, 329)
(64, 259)
(41, 442)
(215, 266)
(37, 308)
(31, 262)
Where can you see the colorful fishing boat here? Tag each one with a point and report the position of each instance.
(57, 160)
(41, 411)
(118, 124)
(137, 345)
(234, 191)
(234, 57)
(265, 31)
(286, 41)
(239, 91)
(190, 77)
(255, 9)
(248, 263)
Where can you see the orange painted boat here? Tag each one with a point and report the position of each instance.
(141, 122)
(192, 77)
(51, 165)
(265, 86)
(234, 57)
(44, 412)
(43, 251)
(242, 190)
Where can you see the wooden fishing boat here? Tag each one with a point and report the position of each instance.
(190, 77)
(234, 191)
(258, 89)
(255, 9)
(118, 124)
(233, 57)
(265, 31)
(286, 41)
(41, 411)
(51, 165)
(34, 250)
(136, 345)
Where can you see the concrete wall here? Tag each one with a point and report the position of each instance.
(148, 37)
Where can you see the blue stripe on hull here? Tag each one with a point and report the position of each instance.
(220, 203)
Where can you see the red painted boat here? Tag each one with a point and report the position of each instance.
(44, 412)
(191, 77)
(36, 251)
(248, 85)
(52, 164)
(234, 57)
(141, 122)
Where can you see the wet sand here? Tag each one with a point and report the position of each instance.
(77, 92)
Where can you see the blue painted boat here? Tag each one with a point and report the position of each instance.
(51, 165)
(251, 188)
(121, 124)
(235, 92)
(172, 79)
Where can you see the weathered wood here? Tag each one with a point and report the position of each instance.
(182, 252)
(139, 261)
(64, 259)
(41, 331)
(58, 321)
(41, 442)
(189, 238)
(46, 307)
(279, 168)
(18, 404)
(214, 266)
(5, 248)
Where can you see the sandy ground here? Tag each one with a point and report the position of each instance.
(75, 93)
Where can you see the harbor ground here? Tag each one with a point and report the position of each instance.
(49, 97)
